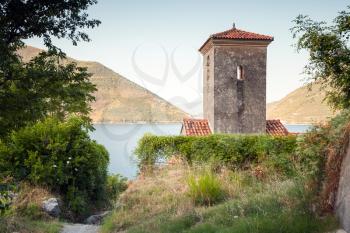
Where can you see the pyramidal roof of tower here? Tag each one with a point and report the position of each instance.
(238, 34)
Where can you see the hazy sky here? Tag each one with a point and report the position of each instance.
(155, 42)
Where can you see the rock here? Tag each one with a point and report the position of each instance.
(343, 196)
(52, 207)
(96, 219)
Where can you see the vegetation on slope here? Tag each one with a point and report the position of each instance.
(305, 105)
(256, 200)
(227, 183)
(118, 99)
(25, 214)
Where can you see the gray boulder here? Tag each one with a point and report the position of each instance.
(51, 207)
(97, 218)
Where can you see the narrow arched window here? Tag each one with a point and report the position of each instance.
(240, 73)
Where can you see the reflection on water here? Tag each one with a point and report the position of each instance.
(120, 140)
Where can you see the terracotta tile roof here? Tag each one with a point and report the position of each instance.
(238, 34)
(195, 127)
(200, 127)
(276, 128)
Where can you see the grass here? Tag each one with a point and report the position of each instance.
(205, 189)
(25, 225)
(25, 214)
(164, 201)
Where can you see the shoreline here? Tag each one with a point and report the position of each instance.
(179, 122)
(137, 122)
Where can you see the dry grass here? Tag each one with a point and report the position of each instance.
(31, 195)
(164, 192)
(257, 198)
(146, 196)
(26, 215)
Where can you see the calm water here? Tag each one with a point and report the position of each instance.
(121, 139)
(297, 128)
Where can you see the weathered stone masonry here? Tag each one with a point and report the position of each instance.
(234, 81)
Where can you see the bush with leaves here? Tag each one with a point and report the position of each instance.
(116, 184)
(234, 151)
(61, 156)
(328, 47)
(7, 190)
(45, 86)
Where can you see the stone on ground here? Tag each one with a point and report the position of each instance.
(51, 207)
(97, 218)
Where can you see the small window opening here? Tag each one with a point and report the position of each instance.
(240, 73)
(208, 68)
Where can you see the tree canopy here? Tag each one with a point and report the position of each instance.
(23, 19)
(45, 86)
(329, 62)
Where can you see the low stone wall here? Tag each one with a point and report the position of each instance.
(343, 196)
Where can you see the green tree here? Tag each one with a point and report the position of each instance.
(47, 85)
(329, 62)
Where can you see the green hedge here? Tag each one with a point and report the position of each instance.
(231, 150)
(61, 156)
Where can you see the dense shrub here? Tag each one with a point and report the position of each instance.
(61, 156)
(7, 189)
(231, 150)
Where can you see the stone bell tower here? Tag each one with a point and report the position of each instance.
(234, 81)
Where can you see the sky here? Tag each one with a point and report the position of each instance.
(155, 43)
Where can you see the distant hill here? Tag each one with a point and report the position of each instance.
(119, 99)
(301, 106)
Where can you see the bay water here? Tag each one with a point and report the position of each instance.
(121, 139)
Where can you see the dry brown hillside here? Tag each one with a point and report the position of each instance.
(303, 105)
(120, 100)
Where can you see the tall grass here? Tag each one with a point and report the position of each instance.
(205, 189)
(222, 201)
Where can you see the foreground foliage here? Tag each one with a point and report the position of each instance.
(61, 156)
(328, 46)
(24, 225)
(162, 201)
(230, 183)
(25, 213)
(205, 189)
(45, 86)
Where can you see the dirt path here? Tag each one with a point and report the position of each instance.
(79, 228)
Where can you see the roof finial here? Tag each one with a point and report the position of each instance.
(234, 25)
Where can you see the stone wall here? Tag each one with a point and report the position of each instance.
(343, 196)
(208, 88)
(239, 105)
